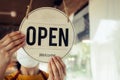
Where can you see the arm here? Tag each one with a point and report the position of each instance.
(57, 69)
(9, 45)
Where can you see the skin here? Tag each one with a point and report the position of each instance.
(29, 71)
(15, 40)
(9, 45)
(56, 69)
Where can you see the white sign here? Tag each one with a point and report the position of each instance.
(48, 33)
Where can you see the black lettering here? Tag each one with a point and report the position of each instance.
(29, 29)
(40, 36)
(51, 36)
(64, 37)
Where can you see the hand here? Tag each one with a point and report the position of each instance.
(57, 69)
(10, 44)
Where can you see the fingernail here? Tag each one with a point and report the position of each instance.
(58, 57)
(18, 31)
(22, 35)
(54, 57)
(51, 59)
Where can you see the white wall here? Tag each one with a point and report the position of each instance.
(103, 9)
(105, 38)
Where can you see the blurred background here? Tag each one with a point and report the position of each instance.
(95, 54)
(78, 60)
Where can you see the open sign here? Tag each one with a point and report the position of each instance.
(48, 33)
(63, 35)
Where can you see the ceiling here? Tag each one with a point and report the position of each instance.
(10, 7)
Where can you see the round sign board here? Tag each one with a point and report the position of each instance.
(48, 33)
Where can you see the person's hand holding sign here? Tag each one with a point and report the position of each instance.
(57, 69)
(47, 35)
(8, 45)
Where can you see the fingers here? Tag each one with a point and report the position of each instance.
(11, 38)
(57, 68)
(12, 42)
(9, 45)
(51, 76)
(10, 35)
(62, 64)
(14, 49)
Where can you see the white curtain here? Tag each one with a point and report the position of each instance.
(105, 39)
